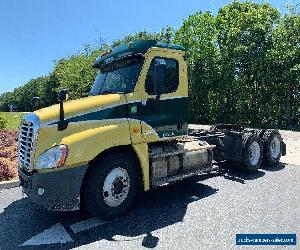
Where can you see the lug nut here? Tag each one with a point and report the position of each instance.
(41, 191)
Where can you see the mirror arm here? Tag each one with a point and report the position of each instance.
(62, 123)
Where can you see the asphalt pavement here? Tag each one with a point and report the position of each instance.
(202, 212)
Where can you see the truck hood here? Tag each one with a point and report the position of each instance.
(81, 106)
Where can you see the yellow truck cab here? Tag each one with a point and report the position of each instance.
(129, 135)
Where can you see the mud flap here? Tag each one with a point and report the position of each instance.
(283, 148)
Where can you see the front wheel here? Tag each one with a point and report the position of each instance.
(112, 186)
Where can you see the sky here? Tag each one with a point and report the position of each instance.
(35, 33)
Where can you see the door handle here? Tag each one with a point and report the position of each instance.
(152, 102)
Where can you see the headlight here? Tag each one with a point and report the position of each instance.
(53, 158)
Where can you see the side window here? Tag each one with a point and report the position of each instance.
(171, 75)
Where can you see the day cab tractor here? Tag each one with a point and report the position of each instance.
(129, 135)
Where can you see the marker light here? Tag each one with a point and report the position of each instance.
(105, 53)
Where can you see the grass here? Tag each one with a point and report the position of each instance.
(13, 119)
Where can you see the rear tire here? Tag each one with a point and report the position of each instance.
(252, 153)
(112, 186)
(272, 143)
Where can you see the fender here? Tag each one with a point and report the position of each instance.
(86, 145)
(141, 151)
(85, 140)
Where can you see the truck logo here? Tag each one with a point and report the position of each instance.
(133, 109)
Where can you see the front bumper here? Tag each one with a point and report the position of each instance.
(61, 188)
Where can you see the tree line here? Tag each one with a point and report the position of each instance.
(243, 67)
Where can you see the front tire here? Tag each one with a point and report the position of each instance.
(112, 186)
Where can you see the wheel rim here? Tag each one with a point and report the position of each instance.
(275, 147)
(254, 152)
(116, 187)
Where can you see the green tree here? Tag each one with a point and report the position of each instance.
(76, 73)
(43, 86)
(47, 90)
(244, 38)
(6, 99)
(284, 58)
(198, 35)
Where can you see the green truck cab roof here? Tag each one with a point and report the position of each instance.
(134, 47)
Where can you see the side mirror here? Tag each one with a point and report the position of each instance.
(63, 95)
(159, 78)
(35, 102)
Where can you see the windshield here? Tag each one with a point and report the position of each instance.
(119, 76)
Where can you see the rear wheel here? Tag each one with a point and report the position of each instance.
(272, 147)
(252, 153)
(112, 186)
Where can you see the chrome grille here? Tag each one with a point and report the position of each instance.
(26, 142)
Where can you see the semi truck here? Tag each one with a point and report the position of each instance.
(129, 135)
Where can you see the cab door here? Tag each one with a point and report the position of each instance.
(164, 109)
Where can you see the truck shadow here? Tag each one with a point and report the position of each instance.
(157, 209)
(232, 173)
(278, 167)
(22, 220)
(241, 177)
